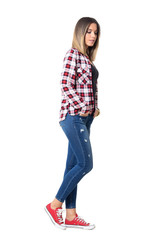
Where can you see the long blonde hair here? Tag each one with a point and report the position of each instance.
(79, 37)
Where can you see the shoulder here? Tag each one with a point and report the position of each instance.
(73, 55)
(73, 52)
(76, 57)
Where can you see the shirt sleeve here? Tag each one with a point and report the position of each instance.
(96, 96)
(68, 82)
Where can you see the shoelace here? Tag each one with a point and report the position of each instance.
(81, 220)
(59, 215)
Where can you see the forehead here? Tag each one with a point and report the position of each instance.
(93, 26)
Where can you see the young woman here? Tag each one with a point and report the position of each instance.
(78, 109)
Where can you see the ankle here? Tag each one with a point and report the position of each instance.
(70, 214)
(56, 204)
(70, 218)
(53, 206)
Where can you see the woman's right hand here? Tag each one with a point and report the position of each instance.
(85, 114)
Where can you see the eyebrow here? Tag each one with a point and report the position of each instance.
(92, 30)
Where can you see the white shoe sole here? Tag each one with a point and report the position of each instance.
(63, 227)
(91, 227)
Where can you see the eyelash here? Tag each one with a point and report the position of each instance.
(94, 33)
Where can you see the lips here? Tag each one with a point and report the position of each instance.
(92, 41)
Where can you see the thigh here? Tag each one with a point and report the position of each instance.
(78, 135)
(89, 123)
(71, 159)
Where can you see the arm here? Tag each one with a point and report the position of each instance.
(96, 97)
(97, 111)
(68, 82)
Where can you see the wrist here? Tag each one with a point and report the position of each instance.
(83, 110)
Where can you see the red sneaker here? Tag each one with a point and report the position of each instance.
(55, 216)
(78, 222)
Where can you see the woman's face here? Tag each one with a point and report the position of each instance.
(91, 35)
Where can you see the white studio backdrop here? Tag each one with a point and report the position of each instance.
(121, 195)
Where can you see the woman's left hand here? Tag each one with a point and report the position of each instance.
(96, 113)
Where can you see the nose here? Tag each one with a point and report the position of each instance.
(93, 35)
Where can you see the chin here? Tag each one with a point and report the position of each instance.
(90, 45)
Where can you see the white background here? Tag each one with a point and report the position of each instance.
(121, 194)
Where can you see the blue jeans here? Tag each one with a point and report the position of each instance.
(79, 160)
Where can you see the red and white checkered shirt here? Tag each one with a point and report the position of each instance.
(76, 85)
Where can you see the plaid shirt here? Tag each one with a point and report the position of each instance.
(76, 85)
